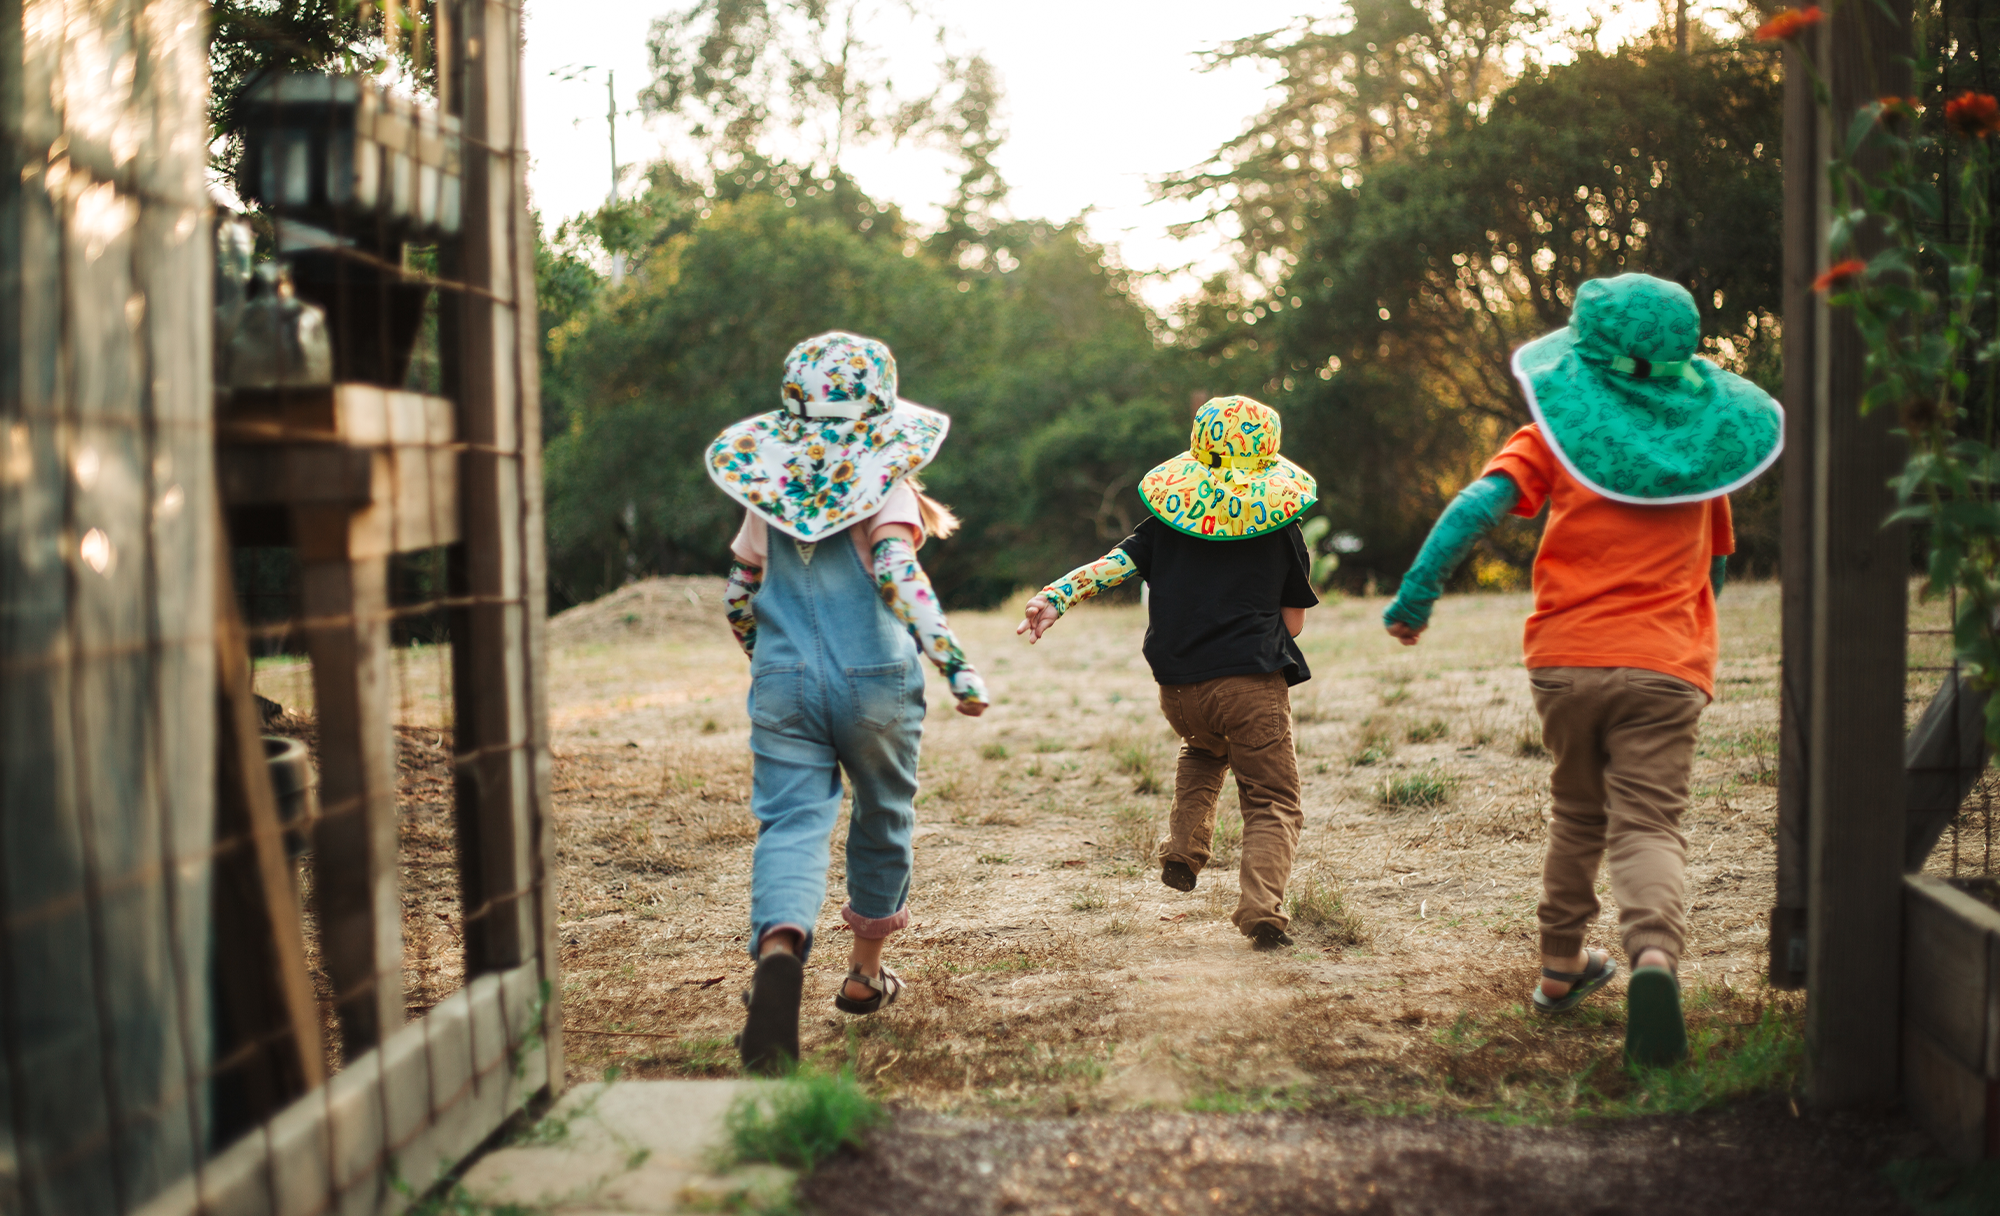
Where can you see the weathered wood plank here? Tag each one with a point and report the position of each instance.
(1948, 1100)
(1803, 183)
(1855, 708)
(354, 859)
(1948, 941)
(260, 934)
(490, 654)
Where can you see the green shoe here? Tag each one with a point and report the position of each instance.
(1655, 1035)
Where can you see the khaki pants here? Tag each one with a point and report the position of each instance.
(1623, 741)
(1242, 723)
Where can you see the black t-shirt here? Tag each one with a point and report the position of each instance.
(1213, 604)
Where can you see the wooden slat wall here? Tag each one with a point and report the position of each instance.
(106, 665)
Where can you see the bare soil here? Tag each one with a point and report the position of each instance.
(1756, 1158)
(1051, 972)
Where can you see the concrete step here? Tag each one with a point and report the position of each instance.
(628, 1147)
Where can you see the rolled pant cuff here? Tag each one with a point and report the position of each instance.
(1562, 945)
(875, 927)
(1638, 943)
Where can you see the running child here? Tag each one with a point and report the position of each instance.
(828, 600)
(1229, 582)
(1635, 446)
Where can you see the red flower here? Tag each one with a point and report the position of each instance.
(1894, 108)
(1789, 23)
(1838, 274)
(1973, 115)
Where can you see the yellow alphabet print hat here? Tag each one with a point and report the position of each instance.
(1230, 484)
(837, 446)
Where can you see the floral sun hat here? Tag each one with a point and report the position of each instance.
(1629, 408)
(836, 448)
(1231, 483)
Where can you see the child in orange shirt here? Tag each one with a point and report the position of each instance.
(1636, 445)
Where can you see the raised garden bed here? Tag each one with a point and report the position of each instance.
(1951, 1023)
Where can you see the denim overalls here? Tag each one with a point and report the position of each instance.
(836, 683)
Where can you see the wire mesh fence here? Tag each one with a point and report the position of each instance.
(281, 955)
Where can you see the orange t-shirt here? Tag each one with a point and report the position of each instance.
(1616, 584)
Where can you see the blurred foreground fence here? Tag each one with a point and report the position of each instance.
(208, 1001)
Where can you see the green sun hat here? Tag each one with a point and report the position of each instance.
(1629, 408)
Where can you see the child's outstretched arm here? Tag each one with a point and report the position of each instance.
(906, 589)
(743, 583)
(1073, 588)
(1477, 508)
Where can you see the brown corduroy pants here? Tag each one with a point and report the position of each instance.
(1623, 742)
(1242, 723)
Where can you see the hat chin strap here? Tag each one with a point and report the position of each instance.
(1216, 460)
(1645, 369)
(846, 410)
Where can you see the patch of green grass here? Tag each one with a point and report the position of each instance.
(1374, 742)
(994, 751)
(1321, 909)
(1426, 787)
(802, 1120)
(1088, 899)
(994, 859)
(1246, 1102)
(1436, 728)
(1720, 1066)
(1049, 746)
(1528, 741)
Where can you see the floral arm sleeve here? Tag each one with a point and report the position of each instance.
(906, 589)
(1089, 579)
(743, 583)
(1478, 507)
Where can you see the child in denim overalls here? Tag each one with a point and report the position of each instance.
(833, 610)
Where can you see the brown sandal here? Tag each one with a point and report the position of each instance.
(888, 986)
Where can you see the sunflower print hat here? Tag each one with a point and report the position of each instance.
(837, 446)
(1230, 484)
(1629, 408)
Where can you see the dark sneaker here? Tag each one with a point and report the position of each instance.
(1270, 937)
(1178, 875)
(770, 1039)
(1655, 1034)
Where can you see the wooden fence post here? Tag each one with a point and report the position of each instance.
(501, 716)
(1853, 732)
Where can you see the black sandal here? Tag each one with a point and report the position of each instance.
(1602, 968)
(888, 986)
(769, 1043)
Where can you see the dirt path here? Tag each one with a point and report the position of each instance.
(1755, 1159)
(1051, 971)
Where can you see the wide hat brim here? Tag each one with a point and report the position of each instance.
(812, 477)
(1227, 504)
(1649, 441)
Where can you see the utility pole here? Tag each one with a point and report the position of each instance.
(611, 200)
(1681, 26)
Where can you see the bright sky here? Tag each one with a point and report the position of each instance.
(1102, 97)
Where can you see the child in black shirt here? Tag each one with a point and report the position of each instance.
(1230, 580)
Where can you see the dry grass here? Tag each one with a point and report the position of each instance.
(1049, 968)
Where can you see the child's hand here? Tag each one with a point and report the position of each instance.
(1404, 634)
(1040, 615)
(972, 709)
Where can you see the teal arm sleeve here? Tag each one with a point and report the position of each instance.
(1718, 571)
(1477, 508)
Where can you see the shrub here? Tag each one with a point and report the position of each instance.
(802, 1120)
(1427, 787)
